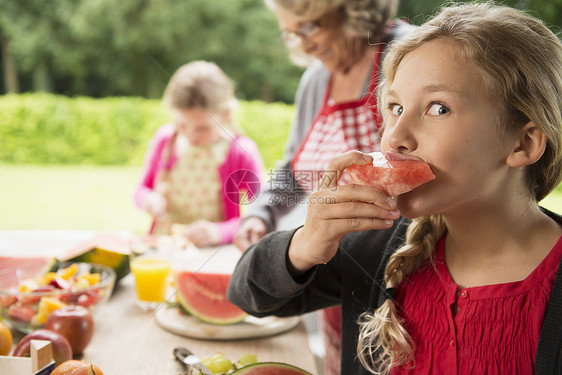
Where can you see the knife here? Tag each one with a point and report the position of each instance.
(188, 358)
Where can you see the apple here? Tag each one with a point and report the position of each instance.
(87, 370)
(61, 348)
(74, 367)
(75, 323)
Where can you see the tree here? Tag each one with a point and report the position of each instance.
(550, 11)
(131, 47)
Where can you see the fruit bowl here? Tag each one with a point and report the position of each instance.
(25, 304)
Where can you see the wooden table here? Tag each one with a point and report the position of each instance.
(128, 340)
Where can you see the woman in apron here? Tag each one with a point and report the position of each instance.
(342, 41)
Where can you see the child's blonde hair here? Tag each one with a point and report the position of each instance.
(520, 61)
(200, 84)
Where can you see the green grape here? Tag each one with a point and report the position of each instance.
(211, 367)
(218, 356)
(207, 362)
(247, 359)
(217, 364)
(222, 365)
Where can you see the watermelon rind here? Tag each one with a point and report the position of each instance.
(260, 368)
(191, 310)
(105, 248)
(114, 259)
(217, 321)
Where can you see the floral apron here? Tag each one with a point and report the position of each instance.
(194, 187)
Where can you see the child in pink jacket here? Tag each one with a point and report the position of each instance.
(197, 168)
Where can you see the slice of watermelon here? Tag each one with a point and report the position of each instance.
(203, 295)
(105, 248)
(394, 176)
(270, 368)
(13, 270)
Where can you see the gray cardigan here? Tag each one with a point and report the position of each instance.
(262, 286)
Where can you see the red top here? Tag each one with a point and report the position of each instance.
(495, 331)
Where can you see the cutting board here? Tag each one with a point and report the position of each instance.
(172, 320)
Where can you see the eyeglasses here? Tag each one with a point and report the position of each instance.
(293, 39)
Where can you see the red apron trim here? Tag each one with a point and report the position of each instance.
(338, 128)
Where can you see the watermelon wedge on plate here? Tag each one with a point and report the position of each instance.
(394, 175)
(201, 279)
(203, 295)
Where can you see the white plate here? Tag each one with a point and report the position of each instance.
(173, 321)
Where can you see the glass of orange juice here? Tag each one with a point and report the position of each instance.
(151, 279)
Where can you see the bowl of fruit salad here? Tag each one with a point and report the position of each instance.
(26, 302)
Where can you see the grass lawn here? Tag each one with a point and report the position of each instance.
(69, 197)
(84, 197)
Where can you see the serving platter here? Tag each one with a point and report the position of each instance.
(172, 320)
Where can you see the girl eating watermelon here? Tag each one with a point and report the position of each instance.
(195, 165)
(467, 280)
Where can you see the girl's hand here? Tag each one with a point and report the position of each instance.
(336, 210)
(202, 233)
(250, 232)
(155, 204)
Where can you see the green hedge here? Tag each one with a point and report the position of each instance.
(268, 125)
(50, 129)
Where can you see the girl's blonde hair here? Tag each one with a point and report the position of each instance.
(520, 61)
(200, 84)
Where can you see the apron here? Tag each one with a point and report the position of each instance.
(194, 187)
(338, 128)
